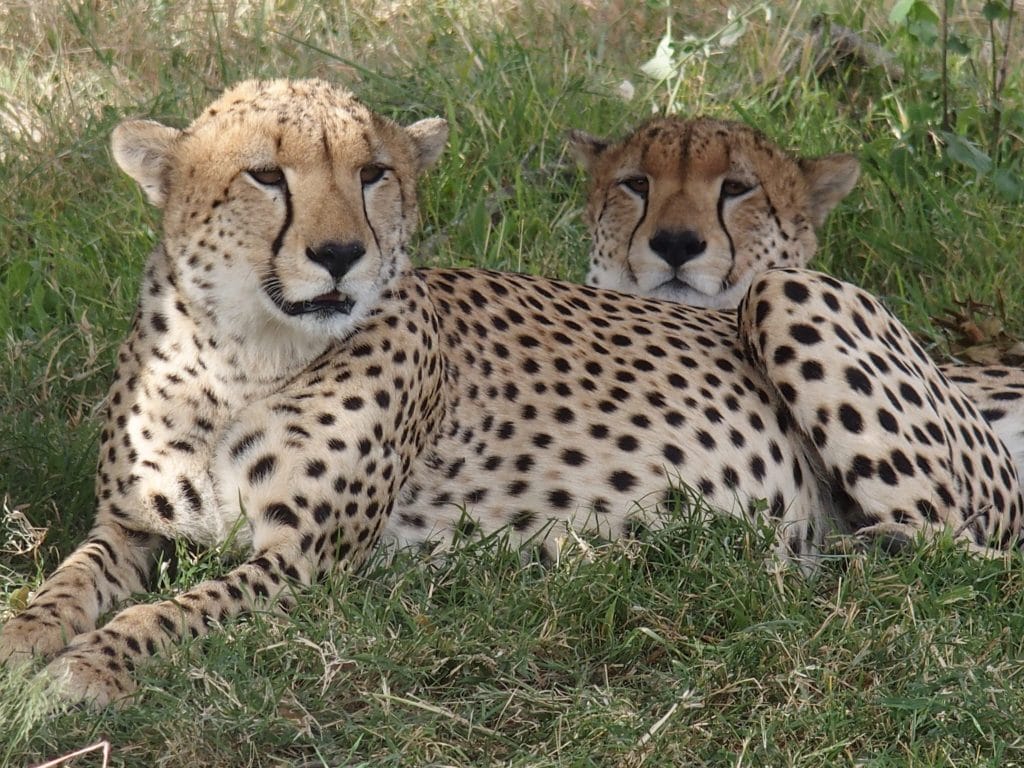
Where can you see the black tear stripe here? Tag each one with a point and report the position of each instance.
(720, 210)
(278, 243)
(275, 248)
(732, 248)
(366, 217)
(327, 148)
(629, 244)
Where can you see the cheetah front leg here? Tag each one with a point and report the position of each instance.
(307, 515)
(113, 562)
(902, 449)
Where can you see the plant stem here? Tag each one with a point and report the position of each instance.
(946, 125)
(999, 80)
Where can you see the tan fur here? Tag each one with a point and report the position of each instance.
(689, 167)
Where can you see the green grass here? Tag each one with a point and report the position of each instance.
(682, 650)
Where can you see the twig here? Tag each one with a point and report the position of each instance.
(434, 709)
(104, 746)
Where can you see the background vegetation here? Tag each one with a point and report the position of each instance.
(683, 650)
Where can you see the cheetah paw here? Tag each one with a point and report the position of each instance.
(81, 676)
(22, 641)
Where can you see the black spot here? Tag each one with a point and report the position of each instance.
(190, 493)
(796, 291)
(622, 480)
(851, 419)
(812, 370)
(321, 512)
(910, 394)
(163, 507)
(805, 334)
(757, 468)
(573, 457)
(783, 354)
(245, 443)
(281, 514)
(888, 421)
(523, 519)
(673, 454)
(262, 469)
(564, 415)
(559, 498)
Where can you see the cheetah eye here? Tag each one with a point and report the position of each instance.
(639, 185)
(268, 177)
(734, 188)
(371, 174)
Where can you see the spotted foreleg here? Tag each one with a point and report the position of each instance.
(308, 515)
(113, 562)
(902, 449)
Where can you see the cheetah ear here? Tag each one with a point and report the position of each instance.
(829, 180)
(585, 148)
(429, 136)
(142, 150)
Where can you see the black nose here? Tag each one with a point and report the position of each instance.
(336, 258)
(677, 248)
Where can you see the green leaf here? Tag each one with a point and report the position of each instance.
(966, 152)
(958, 45)
(899, 12)
(994, 10)
(1009, 184)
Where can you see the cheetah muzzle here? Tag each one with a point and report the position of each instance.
(290, 382)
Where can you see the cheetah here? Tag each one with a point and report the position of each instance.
(692, 210)
(291, 381)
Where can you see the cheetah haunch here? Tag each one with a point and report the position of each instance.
(290, 376)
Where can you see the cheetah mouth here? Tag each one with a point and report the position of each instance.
(331, 303)
(674, 285)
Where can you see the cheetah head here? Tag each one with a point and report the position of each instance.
(286, 204)
(692, 210)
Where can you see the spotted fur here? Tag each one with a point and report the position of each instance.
(738, 206)
(291, 381)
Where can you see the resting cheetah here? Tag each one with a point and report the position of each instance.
(290, 377)
(691, 210)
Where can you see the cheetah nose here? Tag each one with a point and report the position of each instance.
(676, 248)
(337, 258)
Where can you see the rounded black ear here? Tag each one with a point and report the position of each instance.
(584, 147)
(142, 149)
(829, 180)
